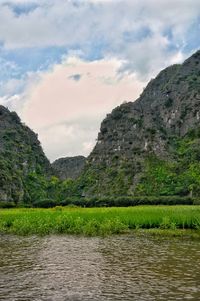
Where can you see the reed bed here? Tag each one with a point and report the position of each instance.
(98, 221)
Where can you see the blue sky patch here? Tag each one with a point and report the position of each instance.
(21, 8)
(30, 59)
(136, 36)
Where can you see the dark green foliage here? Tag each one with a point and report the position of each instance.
(23, 165)
(180, 176)
(36, 187)
(168, 102)
(120, 201)
(7, 205)
(116, 180)
(45, 203)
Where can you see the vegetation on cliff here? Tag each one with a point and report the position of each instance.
(22, 161)
(151, 146)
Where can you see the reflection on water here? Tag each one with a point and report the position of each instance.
(61, 268)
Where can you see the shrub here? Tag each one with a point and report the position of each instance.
(5, 204)
(126, 201)
(117, 201)
(196, 202)
(45, 203)
(169, 102)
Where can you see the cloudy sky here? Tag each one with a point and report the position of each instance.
(65, 64)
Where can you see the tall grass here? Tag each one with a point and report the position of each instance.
(97, 221)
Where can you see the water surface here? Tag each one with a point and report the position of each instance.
(61, 268)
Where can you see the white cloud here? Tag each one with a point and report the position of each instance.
(144, 36)
(66, 113)
(82, 25)
(11, 86)
(9, 101)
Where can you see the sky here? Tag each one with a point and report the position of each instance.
(65, 64)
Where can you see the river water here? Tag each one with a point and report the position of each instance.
(61, 268)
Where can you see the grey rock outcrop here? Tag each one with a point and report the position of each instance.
(170, 105)
(69, 167)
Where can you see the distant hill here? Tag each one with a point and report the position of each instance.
(69, 167)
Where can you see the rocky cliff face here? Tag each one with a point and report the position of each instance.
(69, 167)
(167, 110)
(20, 156)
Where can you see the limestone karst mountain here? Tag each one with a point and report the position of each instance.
(21, 158)
(151, 135)
(150, 146)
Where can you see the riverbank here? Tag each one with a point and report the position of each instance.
(169, 220)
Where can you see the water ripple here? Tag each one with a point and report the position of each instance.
(62, 268)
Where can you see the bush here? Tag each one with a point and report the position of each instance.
(7, 204)
(196, 202)
(45, 203)
(120, 201)
(125, 201)
(169, 102)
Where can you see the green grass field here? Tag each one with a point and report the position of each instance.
(99, 221)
